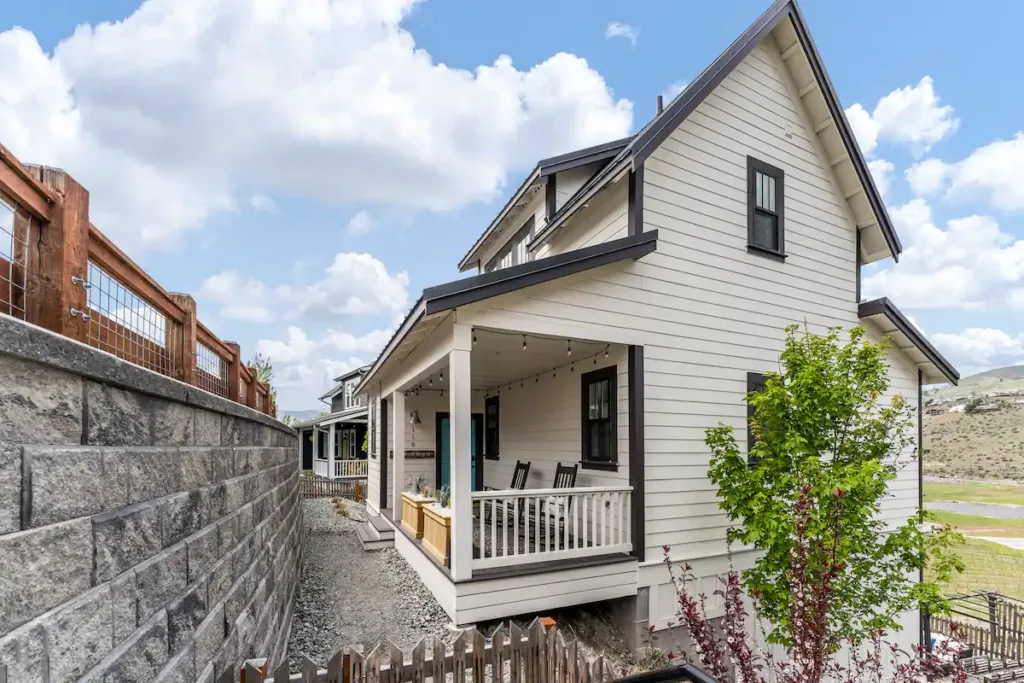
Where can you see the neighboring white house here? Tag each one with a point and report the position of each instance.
(627, 298)
(332, 444)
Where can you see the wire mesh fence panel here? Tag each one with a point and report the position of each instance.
(15, 226)
(122, 323)
(211, 370)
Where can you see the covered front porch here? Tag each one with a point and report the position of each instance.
(530, 436)
(332, 445)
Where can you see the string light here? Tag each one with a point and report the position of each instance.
(568, 348)
(572, 368)
(606, 352)
(431, 381)
(524, 342)
(442, 376)
(474, 337)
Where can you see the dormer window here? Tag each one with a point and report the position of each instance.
(514, 252)
(765, 201)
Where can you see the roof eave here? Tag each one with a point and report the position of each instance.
(886, 308)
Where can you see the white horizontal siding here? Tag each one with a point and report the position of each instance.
(706, 310)
(568, 183)
(603, 220)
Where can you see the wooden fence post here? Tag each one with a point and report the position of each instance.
(63, 255)
(187, 353)
(234, 370)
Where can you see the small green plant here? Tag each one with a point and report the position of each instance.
(417, 486)
(444, 496)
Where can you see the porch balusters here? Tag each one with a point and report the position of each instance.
(516, 527)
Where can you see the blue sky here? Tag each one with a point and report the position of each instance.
(305, 172)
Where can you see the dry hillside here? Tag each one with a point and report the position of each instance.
(979, 445)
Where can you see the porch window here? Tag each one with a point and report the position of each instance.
(755, 383)
(491, 428)
(599, 418)
(765, 227)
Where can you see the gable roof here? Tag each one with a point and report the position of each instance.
(661, 126)
(469, 290)
(543, 169)
(891, 321)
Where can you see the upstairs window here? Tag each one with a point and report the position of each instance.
(755, 383)
(514, 253)
(349, 388)
(765, 216)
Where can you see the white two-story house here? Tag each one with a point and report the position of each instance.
(332, 444)
(625, 300)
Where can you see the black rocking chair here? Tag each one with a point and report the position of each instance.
(518, 477)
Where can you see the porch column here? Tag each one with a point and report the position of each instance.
(331, 437)
(460, 416)
(398, 447)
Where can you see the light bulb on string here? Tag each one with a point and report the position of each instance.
(441, 378)
(474, 337)
(524, 342)
(568, 348)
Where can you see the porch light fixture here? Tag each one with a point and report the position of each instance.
(414, 417)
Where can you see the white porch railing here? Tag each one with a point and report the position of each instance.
(539, 525)
(344, 469)
(320, 467)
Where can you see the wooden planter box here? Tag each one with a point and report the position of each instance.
(437, 531)
(412, 512)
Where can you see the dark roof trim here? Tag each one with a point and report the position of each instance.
(472, 289)
(414, 316)
(648, 140)
(885, 307)
(581, 157)
(351, 373)
(544, 168)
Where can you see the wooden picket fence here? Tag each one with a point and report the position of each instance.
(510, 655)
(994, 670)
(318, 487)
(993, 624)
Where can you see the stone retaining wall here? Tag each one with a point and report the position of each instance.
(149, 531)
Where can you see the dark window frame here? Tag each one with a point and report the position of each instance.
(755, 166)
(611, 374)
(755, 382)
(488, 402)
(509, 248)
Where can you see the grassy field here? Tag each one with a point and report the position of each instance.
(990, 567)
(976, 525)
(976, 445)
(974, 492)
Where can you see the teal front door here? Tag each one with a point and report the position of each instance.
(443, 442)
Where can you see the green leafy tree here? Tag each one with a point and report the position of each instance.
(826, 447)
(261, 366)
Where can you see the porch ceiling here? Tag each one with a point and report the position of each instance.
(498, 359)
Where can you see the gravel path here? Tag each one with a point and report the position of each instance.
(348, 596)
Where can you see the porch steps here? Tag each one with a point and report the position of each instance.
(376, 534)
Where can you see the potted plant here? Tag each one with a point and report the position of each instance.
(413, 500)
(437, 526)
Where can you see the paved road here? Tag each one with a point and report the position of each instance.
(1001, 511)
(1015, 543)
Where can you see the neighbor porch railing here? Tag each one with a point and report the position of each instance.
(992, 623)
(539, 525)
(348, 469)
(320, 468)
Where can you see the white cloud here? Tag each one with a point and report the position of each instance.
(927, 177)
(982, 347)
(353, 285)
(970, 263)
(672, 91)
(360, 224)
(304, 368)
(617, 29)
(165, 115)
(881, 171)
(910, 115)
(993, 173)
(261, 202)
(239, 297)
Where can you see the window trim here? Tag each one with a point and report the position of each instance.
(755, 166)
(372, 425)
(611, 374)
(526, 229)
(754, 380)
(488, 402)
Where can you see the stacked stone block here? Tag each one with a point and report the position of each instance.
(149, 531)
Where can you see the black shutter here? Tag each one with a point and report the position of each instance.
(755, 382)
